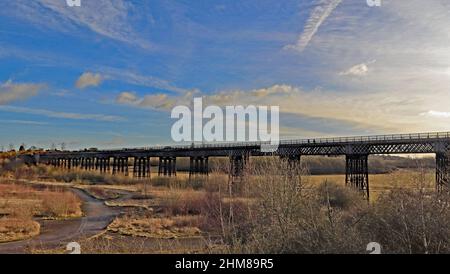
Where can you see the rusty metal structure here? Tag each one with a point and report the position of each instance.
(356, 150)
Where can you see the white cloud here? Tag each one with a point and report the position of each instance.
(63, 115)
(89, 79)
(319, 14)
(436, 114)
(357, 70)
(10, 91)
(126, 98)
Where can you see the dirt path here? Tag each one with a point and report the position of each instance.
(56, 234)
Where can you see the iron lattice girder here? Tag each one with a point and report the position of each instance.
(357, 172)
(443, 167)
(396, 148)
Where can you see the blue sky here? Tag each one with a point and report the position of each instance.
(107, 74)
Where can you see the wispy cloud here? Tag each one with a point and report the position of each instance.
(23, 122)
(89, 79)
(108, 18)
(319, 14)
(63, 115)
(436, 114)
(358, 70)
(10, 91)
(159, 101)
(142, 80)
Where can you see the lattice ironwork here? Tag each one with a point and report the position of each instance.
(238, 167)
(442, 171)
(357, 172)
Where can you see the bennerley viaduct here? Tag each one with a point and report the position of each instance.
(356, 151)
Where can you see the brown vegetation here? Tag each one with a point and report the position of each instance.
(19, 204)
(151, 227)
(268, 212)
(13, 229)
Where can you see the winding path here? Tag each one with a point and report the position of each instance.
(56, 233)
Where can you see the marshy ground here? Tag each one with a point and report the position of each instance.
(43, 209)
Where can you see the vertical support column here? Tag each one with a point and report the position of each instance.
(206, 166)
(149, 168)
(160, 166)
(140, 167)
(201, 166)
(135, 167)
(198, 166)
(144, 166)
(191, 167)
(357, 172)
(238, 164)
(174, 166)
(99, 164)
(114, 166)
(125, 165)
(169, 166)
(442, 170)
(105, 165)
(165, 169)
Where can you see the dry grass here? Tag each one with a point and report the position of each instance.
(381, 183)
(13, 229)
(25, 202)
(169, 227)
(101, 193)
(133, 203)
(272, 211)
